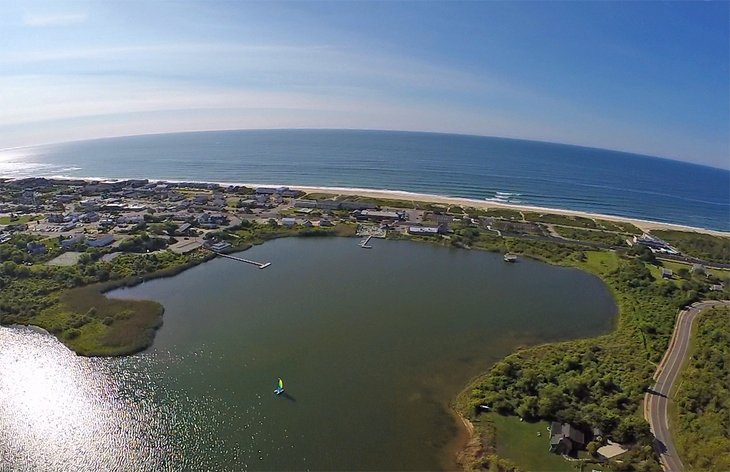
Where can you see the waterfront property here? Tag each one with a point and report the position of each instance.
(427, 230)
(565, 438)
(654, 243)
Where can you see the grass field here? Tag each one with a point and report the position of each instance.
(518, 441)
(6, 220)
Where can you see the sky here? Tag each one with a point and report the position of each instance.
(645, 77)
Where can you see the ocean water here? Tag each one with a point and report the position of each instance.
(506, 170)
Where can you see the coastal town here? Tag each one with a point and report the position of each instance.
(80, 238)
(67, 217)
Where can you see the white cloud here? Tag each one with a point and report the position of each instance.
(64, 19)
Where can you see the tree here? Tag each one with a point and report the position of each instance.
(592, 448)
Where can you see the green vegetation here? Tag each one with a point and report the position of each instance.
(69, 301)
(504, 213)
(590, 383)
(565, 220)
(18, 219)
(701, 418)
(618, 226)
(319, 196)
(249, 233)
(593, 236)
(518, 442)
(142, 243)
(703, 246)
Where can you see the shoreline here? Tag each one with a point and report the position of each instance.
(644, 225)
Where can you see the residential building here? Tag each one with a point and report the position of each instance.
(426, 230)
(305, 203)
(100, 240)
(565, 439)
(220, 246)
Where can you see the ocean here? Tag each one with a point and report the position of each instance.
(485, 168)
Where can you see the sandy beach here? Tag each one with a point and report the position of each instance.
(486, 204)
(645, 225)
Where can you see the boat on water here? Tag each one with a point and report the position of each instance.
(510, 257)
(280, 388)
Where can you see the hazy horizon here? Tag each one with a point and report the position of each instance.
(646, 78)
(648, 156)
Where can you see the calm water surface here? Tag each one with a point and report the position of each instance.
(372, 345)
(503, 170)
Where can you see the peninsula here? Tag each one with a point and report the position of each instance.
(64, 243)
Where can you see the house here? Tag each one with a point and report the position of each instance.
(107, 221)
(666, 273)
(100, 240)
(183, 228)
(89, 217)
(305, 203)
(27, 197)
(288, 222)
(716, 288)
(378, 215)
(325, 222)
(425, 230)
(564, 438)
(211, 220)
(265, 191)
(220, 246)
(201, 199)
(89, 204)
(328, 204)
(654, 243)
(307, 224)
(131, 219)
(56, 218)
(218, 202)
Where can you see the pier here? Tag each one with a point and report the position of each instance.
(364, 243)
(260, 265)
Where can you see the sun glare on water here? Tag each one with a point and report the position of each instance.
(62, 412)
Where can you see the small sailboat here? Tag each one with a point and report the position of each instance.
(280, 389)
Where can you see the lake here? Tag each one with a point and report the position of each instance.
(372, 346)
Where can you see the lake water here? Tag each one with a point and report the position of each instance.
(372, 346)
(504, 170)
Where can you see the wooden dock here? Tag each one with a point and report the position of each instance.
(260, 265)
(364, 243)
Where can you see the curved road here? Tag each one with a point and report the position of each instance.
(657, 399)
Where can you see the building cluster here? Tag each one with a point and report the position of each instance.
(655, 244)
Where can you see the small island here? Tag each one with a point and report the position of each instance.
(65, 243)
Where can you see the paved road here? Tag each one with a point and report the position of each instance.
(657, 401)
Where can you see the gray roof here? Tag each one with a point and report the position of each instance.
(559, 431)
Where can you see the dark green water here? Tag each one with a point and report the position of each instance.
(372, 345)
